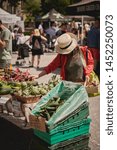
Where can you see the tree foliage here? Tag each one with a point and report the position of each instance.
(59, 5)
(43, 6)
(32, 6)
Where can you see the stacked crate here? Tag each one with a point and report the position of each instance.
(68, 128)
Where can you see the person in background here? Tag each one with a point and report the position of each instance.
(74, 24)
(74, 31)
(23, 49)
(79, 31)
(56, 26)
(62, 30)
(19, 35)
(40, 27)
(51, 35)
(5, 46)
(71, 59)
(14, 41)
(93, 43)
(37, 49)
(16, 27)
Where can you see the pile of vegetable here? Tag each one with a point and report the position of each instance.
(93, 80)
(15, 75)
(5, 88)
(47, 110)
(28, 88)
(33, 88)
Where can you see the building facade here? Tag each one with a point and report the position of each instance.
(12, 6)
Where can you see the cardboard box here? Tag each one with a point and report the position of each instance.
(27, 108)
(3, 102)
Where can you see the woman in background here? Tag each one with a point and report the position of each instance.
(37, 49)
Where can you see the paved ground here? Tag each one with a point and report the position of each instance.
(14, 138)
(94, 107)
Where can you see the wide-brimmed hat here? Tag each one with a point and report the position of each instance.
(66, 43)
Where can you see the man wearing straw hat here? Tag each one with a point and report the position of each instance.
(76, 65)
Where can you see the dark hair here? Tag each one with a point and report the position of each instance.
(63, 24)
(0, 21)
(74, 30)
(20, 30)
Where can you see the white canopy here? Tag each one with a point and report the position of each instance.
(8, 18)
(53, 15)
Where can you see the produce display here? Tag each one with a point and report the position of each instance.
(93, 87)
(4, 88)
(15, 75)
(60, 111)
(33, 88)
(21, 83)
(93, 79)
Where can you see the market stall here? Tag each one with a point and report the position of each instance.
(58, 111)
(53, 15)
(19, 93)
(8, 19)
(84, 8)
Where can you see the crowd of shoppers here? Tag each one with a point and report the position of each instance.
(50, 38)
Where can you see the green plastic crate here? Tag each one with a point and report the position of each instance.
(74, 95)
(77, 143)
(76, 116)
(55, 136)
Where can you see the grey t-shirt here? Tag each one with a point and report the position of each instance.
(6, 52)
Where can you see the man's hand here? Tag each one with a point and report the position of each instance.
(86, 80)
(34, 77)
(2, 43)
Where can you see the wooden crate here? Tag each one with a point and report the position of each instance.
(93, 89)
(37, 122)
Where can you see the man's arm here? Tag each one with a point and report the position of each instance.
(2, 43)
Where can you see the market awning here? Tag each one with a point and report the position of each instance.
(79, 18)
(85, 7)
(53, 15)
(8, 18)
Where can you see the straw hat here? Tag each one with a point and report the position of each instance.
(66, 43)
